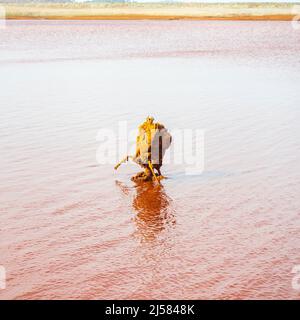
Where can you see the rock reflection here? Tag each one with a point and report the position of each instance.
(153, 208)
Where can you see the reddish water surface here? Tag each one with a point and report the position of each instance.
(71, 228)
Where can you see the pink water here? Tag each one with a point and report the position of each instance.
(71, 228)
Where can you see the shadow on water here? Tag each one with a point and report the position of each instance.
(153, 208)
(205, 175)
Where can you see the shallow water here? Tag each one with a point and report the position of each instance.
(71, 228)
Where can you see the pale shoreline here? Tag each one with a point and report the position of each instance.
(151, 11)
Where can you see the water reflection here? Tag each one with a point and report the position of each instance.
(153, 208)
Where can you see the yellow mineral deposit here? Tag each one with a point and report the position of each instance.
(151, 144)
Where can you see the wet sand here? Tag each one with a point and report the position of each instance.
(152, 11)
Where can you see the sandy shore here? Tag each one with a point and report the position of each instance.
(194, 11)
